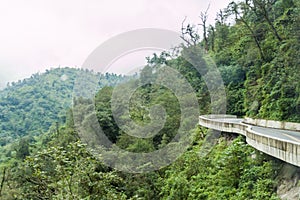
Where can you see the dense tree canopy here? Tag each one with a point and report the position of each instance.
(255, 45)
(31, 106)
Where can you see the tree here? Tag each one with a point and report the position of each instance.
(240, 11)
(212, 36)
(263, 8)
(189, 34)
(203, 18)
(22, 150)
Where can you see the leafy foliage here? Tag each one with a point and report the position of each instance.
(31, 106)
(255, 44)
(259, 58)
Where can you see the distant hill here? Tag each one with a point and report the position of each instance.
(31, 106)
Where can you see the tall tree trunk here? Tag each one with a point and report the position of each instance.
(255, 39)
(204, 17)
(2, 181)
(212, 35)
(266, 15)
(261, 6)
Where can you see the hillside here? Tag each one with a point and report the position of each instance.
(31, 106)
(255, 45)
(259, 58)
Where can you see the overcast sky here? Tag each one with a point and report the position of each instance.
(39, 34)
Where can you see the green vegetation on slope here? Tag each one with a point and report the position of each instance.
(258, 57)
(60, 167)
(31, 106)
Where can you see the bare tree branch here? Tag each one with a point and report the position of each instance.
(189, 34)
(204, 17)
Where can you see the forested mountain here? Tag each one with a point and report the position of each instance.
(255, 45)
(59, 165)
(31, 106)
(259, 57)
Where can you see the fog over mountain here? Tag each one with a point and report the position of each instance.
(36, 35)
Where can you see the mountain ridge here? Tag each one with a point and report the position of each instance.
(31, 106)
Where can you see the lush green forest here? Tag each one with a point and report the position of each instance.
(259, 56)
(31, 106)
(255, 45)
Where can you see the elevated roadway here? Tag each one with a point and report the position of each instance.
(279, 143)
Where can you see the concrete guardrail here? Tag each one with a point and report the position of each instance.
(285, 150)
(273, 124)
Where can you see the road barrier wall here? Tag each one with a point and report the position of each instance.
(273, 124)
(287, 151)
